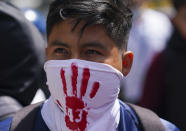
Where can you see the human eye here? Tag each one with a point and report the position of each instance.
(61, 51)
(92, 52)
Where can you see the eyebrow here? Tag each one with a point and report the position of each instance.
(58, 43)
(94, 44)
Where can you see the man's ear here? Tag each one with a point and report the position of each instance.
(127, 61)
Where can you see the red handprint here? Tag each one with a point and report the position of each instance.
(75, 106)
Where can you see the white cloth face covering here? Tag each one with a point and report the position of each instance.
(83, 96)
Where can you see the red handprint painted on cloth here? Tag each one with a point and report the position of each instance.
(76, 112)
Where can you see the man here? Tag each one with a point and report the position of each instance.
(87, 58)
(165, 84)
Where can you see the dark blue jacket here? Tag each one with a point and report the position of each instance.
(128, 121)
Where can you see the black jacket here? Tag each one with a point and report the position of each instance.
(21, 55)
(175, 81)
(165, 84)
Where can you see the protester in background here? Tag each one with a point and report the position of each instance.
(40, 22)
(149, 34)
(165, 85)
(22, 58)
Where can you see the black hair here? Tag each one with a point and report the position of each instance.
(178, 3)
(114, 15)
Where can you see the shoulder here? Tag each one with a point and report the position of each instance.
(169, 126)
(130, 120)
(5, 124)
(31, 116)
(25, 118)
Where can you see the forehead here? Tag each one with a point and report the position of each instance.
(63, 31)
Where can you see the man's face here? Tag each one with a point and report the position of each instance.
(93, 45)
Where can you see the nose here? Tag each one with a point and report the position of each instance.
(75, 55)
(75, 50)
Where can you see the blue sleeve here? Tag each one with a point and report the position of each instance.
(169, 126)
(5, 125)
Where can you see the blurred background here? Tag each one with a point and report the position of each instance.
(42, 5)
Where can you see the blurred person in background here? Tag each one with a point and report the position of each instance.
(165, 85)
(150, 32)
(36, 18)
(22, 57)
